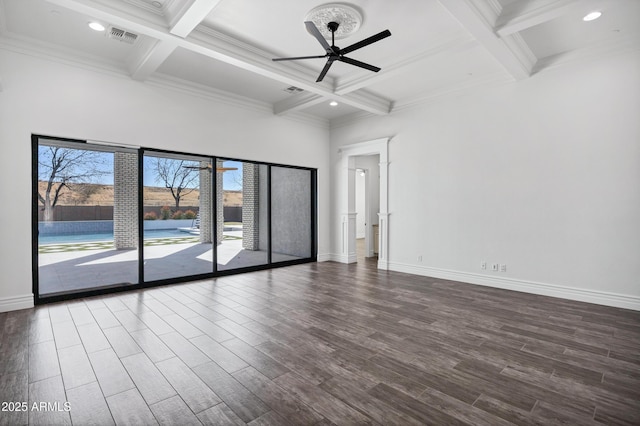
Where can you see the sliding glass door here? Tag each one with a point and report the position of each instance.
(178, 215)
(291, 213)
(243, 221)
(108, 217)
(87, 217)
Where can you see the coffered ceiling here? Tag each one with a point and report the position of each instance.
(225, 47)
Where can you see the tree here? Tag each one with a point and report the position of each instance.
(60, 168)
(178, 176)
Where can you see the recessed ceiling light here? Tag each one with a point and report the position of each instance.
(96, 26)
(591, 16)
(333, 103)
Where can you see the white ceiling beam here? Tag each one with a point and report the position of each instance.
(479, 19)
(519, 16)
(191, 17)
(214, 45)
(366, 101)
(297, 102)
(149, 58)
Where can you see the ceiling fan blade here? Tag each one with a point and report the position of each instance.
(299, 57)
(359, 64)
(314, 31)
(324, 70)
(366, 42)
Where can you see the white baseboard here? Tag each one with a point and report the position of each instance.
(334, 257)
(15, 303)
(325, 257)
(383, 264)
(553, 290)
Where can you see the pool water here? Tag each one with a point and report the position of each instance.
(84, 238)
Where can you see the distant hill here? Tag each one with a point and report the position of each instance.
(89, 194)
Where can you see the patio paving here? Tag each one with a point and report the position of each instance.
(98, 264)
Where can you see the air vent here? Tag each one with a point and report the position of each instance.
(293, 89)
(122, 35)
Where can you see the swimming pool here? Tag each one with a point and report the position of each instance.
(108, 236)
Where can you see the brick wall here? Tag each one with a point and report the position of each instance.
(250, 206)
(206, 230)
(219, 203)
(125, 204)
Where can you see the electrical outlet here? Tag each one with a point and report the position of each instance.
(483, 265)
(494, 267)
(503, 268)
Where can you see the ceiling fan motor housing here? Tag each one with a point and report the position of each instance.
(333, 26)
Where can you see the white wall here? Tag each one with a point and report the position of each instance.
(542, 175)
(52, 98)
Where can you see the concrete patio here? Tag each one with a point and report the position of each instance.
(99, 267)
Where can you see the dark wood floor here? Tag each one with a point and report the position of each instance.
(321, 344)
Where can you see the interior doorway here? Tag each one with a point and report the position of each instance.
(352, 155)
(361, 216)
(367, 205)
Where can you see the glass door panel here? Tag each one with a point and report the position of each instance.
(243, 214)
(177, 205)
(291, 214)
(87, 217)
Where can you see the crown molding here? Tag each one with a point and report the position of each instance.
(212, 40)
(521, 51)
(617, 46)
(611, 47)
(208, 42)
(522, 15)
(146, 6)
(163, 81)
(54, 53)
(68, 57)
(226, 43)
(296, 102)
(229, 99)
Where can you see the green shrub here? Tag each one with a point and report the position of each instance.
(178, 215)
(150, 216)
(190, 214)
(165, 213)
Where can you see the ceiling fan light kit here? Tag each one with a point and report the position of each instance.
(333, 52)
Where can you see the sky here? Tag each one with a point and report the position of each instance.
(232, 179)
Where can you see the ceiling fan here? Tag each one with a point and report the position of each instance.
(334, 53)
(210, 167)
